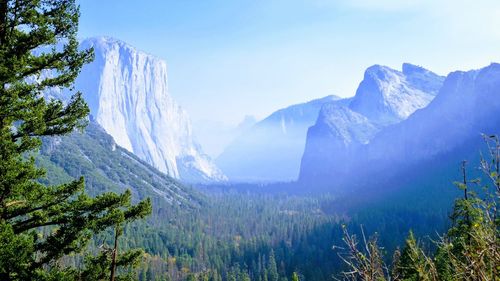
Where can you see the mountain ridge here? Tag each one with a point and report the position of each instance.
(127, 92)
(384, 98)
(272, 148)
(450, 127)
(387, 96)
(106, 167)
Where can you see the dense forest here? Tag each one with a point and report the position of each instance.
(74, 206)
(224, 228)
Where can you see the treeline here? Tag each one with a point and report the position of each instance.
(236, 234)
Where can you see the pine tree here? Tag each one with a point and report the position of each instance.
(471, 248)
(272, 268)
(39, 52)
(413, 264)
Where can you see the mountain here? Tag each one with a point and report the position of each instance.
(467, 106)
(432, 141)
(385, 97)
(271, 149)
(333, 140)
(106, 167)
(127, 92)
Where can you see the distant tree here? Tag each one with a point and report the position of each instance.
(39, 52)
(272, 268)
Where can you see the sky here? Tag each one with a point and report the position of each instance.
(228, 59)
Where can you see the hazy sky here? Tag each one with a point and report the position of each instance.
(228, 59)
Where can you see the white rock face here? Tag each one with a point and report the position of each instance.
(387, 96)
(127, 92)
(384, 97)
(445, 132)
(467, 105)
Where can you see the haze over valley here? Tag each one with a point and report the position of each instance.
(249, 140)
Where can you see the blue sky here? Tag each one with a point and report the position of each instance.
(228, 59)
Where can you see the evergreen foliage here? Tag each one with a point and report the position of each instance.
(40, 224)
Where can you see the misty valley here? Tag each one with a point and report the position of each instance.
(104, 175)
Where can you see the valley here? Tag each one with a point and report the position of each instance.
(286, 187)
(249, 141)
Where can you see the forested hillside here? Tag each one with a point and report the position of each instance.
(94, 155)
(231, 230)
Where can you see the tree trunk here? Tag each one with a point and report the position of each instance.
(114, 254)
(3, 20)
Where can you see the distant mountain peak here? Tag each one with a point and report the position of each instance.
(327, 98)
(127, 92)
(378, 70)
(109, 41)
(409, 68)
(388, 96)
(385, 97)
(314, 103)
(106, 42)
(271, 150)
(105, 39)
(423, 79)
